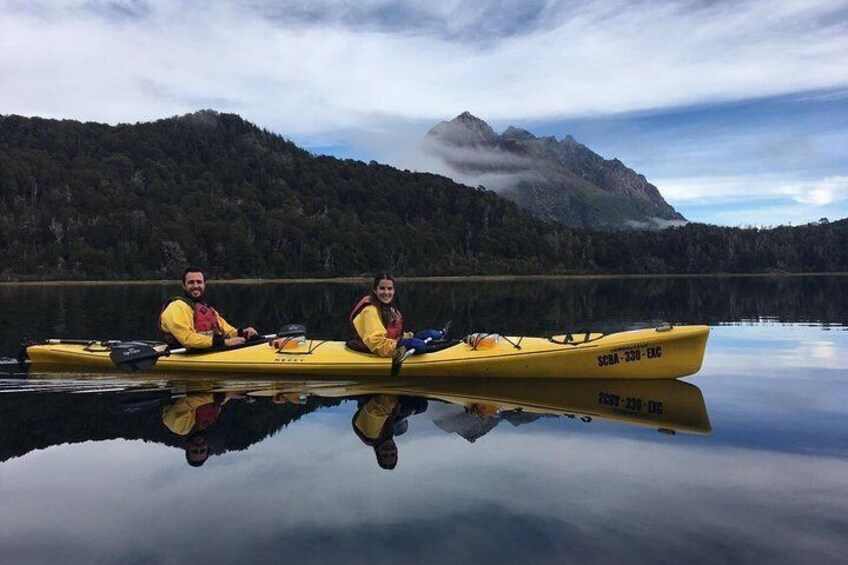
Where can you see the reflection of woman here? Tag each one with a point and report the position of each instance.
(380, 419)
(379, 324)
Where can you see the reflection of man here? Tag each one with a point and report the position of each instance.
(189, 322)
(380, 419)
(190, 416)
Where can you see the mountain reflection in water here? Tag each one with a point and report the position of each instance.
(211, 417)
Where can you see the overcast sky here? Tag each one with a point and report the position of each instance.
(737, 111)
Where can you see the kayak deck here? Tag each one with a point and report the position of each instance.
(661, 353)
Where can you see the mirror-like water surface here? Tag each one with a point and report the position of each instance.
(747, 461)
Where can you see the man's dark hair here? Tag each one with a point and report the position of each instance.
(199, 433)
(195, 463)
(192, 269)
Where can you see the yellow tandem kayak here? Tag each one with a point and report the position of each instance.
(657, 353)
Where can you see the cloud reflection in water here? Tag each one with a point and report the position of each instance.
(313, 494)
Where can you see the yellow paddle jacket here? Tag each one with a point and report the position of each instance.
(369, 326)
(178, 320)
(181, 416)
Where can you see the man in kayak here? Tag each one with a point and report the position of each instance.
(187, 321)
(379, 324)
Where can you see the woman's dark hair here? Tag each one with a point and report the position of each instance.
(387, 311)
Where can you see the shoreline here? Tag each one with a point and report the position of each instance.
(469, 278)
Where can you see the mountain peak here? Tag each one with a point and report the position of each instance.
(464, 130)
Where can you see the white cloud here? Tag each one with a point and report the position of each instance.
(717, 188)
(312, 73)
(376, 74)
(656, 222)
(806, 354)
(754, 187)
(756, 200)
(821, 193)
(767, 216)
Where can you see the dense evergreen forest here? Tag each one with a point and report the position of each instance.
(92, 201)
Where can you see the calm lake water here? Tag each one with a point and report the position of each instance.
(751, 465)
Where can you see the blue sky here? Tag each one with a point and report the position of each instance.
(737, 111)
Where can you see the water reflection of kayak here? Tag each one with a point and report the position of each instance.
(661, 353)
(667, 405)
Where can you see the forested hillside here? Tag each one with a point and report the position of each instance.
(91, 201)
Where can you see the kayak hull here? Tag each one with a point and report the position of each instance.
(661, 353)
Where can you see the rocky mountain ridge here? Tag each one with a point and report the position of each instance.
(555, 180)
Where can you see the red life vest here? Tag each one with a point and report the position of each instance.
(394, 329)
(205, 416)
(205, 319)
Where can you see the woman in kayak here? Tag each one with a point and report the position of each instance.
(379, 324)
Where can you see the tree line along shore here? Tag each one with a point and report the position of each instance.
(83, 201)
(364, 280)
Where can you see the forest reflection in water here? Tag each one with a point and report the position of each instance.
(514, 307)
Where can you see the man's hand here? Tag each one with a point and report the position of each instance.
(231, 341)
(249, 333)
